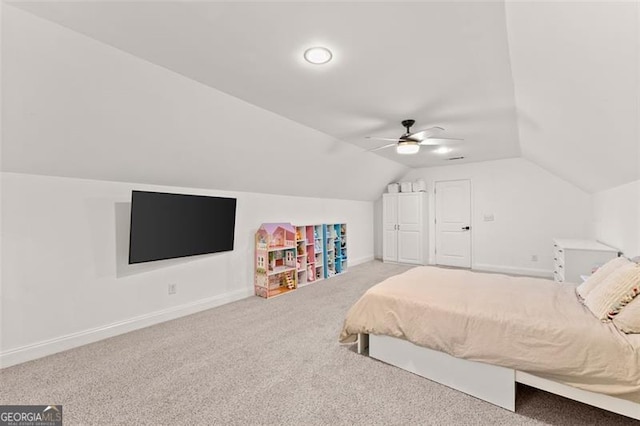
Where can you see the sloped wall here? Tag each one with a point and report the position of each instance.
(577, 88)
(76, 107)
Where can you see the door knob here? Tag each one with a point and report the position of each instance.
(466, 228)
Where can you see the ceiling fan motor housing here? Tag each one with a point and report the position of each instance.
(408, 124)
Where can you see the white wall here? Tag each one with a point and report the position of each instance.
(1, 184)
(617, 217)
(66, 280)
(530, 206)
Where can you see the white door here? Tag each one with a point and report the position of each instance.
(389, 227)
(410, 228)
(453, 223)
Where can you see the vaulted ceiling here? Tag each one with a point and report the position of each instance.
(554, 82)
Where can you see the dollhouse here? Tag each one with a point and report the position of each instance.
(275, 263)
(288, 257)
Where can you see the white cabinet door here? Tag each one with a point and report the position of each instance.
(409, 246)
(410, 219)
(390, 209)
(389, 227)
(409, 211)
(390, 246)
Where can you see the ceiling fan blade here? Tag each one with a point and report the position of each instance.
(382, 147)
(424, 134)
(381, 139)
(440, 141)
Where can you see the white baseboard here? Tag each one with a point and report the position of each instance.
(360, 260)
(543, 273)
(70, 341)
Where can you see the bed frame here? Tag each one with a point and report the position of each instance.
(490, 383)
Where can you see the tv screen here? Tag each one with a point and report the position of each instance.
(165, 226)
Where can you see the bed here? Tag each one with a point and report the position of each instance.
(481, 333)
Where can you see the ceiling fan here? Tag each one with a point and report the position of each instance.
(409, 143)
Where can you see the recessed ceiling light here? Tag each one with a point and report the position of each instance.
(442, 150)
(408, 147)
(318, 55)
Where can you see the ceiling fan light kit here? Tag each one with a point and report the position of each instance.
(407, 147)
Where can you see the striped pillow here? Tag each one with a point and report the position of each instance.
(615, 292)
(599, 276)
(628, 320)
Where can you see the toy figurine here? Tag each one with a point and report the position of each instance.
(310, 272)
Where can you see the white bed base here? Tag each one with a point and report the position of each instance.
(490, 383)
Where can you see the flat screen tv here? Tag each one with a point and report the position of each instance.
(166, 226)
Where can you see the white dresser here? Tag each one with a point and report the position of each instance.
(573, 258)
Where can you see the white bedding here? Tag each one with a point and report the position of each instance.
(528, 324)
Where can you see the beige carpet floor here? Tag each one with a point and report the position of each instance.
(261, 361)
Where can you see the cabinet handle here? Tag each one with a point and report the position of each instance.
(398, 227)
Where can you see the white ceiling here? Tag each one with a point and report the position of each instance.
(444, 64)
(554, 82)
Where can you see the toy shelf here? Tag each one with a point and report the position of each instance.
(308, 253)
(280, 270)
(276, 292)
(336, 253)
(280, 248)
(288, 256)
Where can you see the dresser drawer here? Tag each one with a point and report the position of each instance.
(558, 254)
(558, 276)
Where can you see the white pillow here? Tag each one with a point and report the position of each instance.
(628, 320)
(600, 275)
(618, 289)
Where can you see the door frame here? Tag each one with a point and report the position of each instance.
(471, 222)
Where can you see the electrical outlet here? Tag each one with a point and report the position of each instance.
(173, 288)
(488, 217)
(534, 257)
